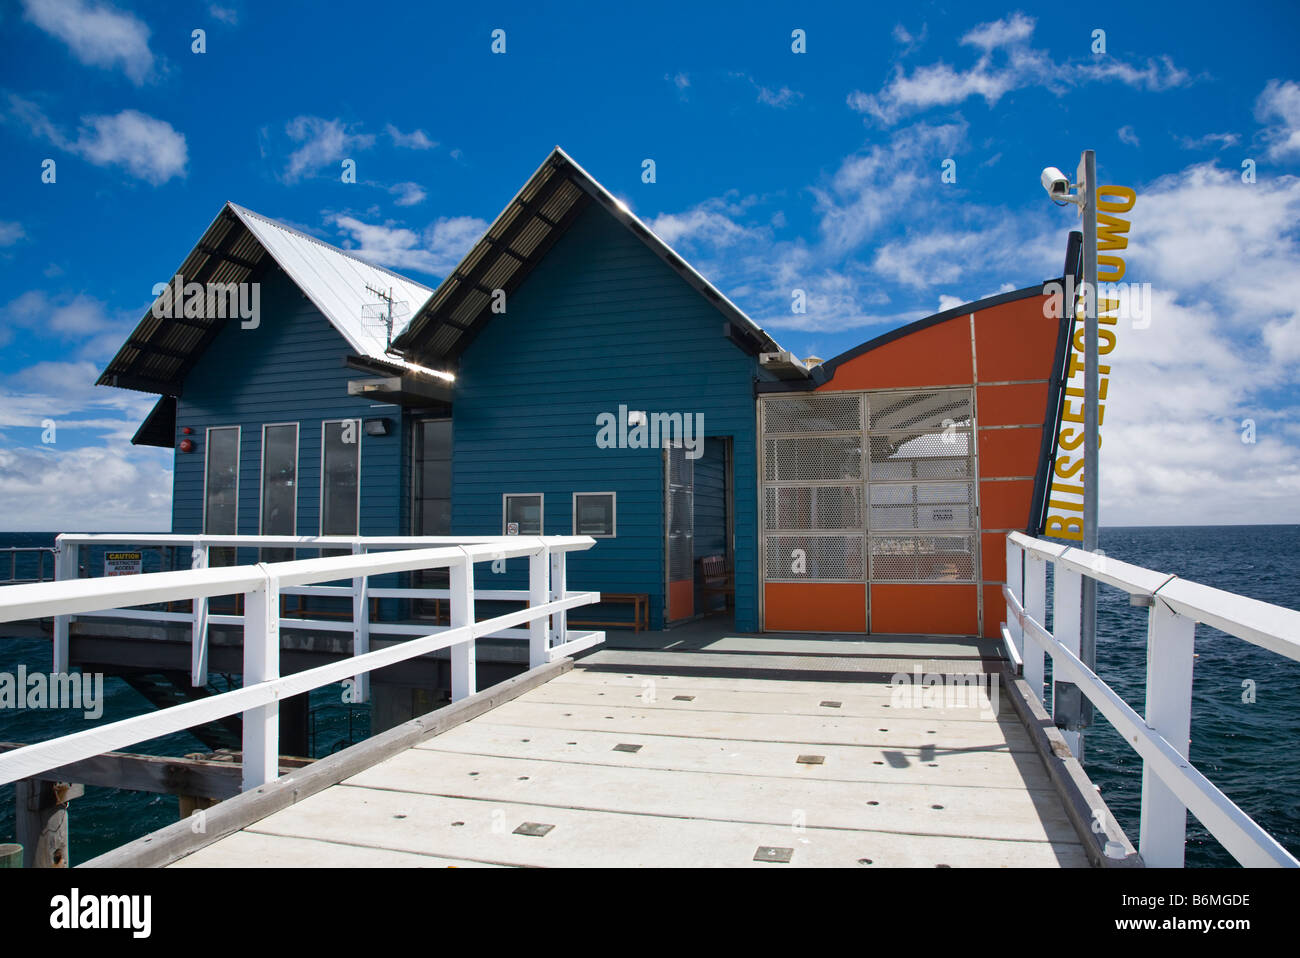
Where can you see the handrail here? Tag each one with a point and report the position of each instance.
(1171, 785)
(262, 584)
(41, 553)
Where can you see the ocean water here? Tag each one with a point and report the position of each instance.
(1248, 749)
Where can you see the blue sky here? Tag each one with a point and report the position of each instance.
(775, 170)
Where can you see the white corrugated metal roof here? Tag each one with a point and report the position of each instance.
(336, 280)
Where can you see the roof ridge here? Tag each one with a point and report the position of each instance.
(350, 254)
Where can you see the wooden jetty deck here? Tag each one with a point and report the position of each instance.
(683, 748)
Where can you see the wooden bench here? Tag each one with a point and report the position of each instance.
(714, 578)
(640, 603)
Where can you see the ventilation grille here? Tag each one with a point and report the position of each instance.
(814, 558)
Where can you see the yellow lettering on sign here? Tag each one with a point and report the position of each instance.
(1108, 230)
(1115, 206)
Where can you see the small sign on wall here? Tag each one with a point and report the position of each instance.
(121, 563)
(512, 528)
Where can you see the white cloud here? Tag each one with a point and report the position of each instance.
(415, 140)
(11, 233)
(1000, 33)
(1127, 134)
(408, 194)
(711, 223)
(97, 34)
(680, 81)
(112, 487)
(321, 142)
(436, 250)
(1018, 65)
(1223, 141)
(146, 147)
(1281, 102)
(78, 320)
(227, 15)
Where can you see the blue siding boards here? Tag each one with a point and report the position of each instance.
(287, 369)
(601, 322)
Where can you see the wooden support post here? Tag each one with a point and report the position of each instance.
(559, 585)
(360, 629)
(11, 855)
(199, 624)
(463, 678)
(539, 587)
(1031, 653)
(1067, 605)
(1171, 644)
(41, 821)
(262, 662)
(65, 567)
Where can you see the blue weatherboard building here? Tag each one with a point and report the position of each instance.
(360, 402)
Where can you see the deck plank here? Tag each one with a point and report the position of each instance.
(612, 839)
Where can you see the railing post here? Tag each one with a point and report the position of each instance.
(1067, 596)
(1171, 643)
(199, 622)
(463, 678)
(65, 567)
(262, 663)
(559, 589)
(1014, 557)
(1036, 608)
(360, 627)
(539, 587)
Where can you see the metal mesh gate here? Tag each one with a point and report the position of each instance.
(868, 487)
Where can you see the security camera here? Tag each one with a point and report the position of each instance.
(1056, 183)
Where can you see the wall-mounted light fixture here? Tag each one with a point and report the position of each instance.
(376, 427)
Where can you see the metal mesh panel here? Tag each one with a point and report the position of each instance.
(923, 558)
(944, 455)
(801, 460)
(933, 505)
(813, 507)
(814, 413)
(815, 558)
(921, 411)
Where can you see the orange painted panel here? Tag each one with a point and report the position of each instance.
(1015, 341)
(938, 609)
(681, 599)
(993, 556)
(814, 607)
(1015, 405)
(1009, 452)
(995, 611)
(936, 356)
(1005, 505)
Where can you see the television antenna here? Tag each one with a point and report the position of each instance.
(386, 311)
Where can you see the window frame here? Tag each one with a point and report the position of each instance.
(613, 514)
(297, 468)
(207, 452)
(320, 524)
(541, 511)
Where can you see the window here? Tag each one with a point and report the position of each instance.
(221, 481)
(522, 514)
(221, 489)
(431, 486)
(340, 483)
(279, 486)
(593, 514)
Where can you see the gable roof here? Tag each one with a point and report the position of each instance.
(540, 213)
(236, 248)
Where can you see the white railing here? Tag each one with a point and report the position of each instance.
(544, 621)
(37, 552)
(1171, 785)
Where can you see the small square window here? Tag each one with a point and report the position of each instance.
(521, 514)
(593, 514)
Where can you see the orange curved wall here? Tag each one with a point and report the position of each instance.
(1006, 352)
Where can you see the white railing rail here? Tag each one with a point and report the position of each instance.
(1171, 785)
(37, 552)
(262, 585)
